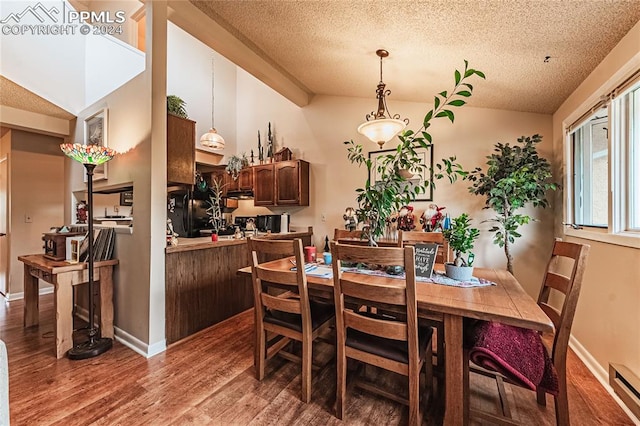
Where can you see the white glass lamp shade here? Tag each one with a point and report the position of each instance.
(212, 140)
(381, 130)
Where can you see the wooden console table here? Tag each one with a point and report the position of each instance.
(64, 275)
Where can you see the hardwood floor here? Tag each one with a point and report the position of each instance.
(208, 379)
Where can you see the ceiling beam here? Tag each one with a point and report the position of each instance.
(32, 121)
(192, 20)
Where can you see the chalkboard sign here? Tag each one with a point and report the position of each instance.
(425, 259)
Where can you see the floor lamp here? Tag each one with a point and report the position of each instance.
(90, 156)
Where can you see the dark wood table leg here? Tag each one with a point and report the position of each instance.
(454, 393)
(31, 298)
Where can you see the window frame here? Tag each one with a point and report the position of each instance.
(618, 230)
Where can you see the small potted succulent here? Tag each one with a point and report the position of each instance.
(461, 237)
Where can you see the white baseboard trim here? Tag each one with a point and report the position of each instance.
(599, 373)
(138, 345)
(10, 297)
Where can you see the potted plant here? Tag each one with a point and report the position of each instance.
(235, 164)
(215, 202)
(377, 201)
(461, 237)
(175, 106)
(516, 176)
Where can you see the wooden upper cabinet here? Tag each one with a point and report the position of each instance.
(245, 179)
(231, 184)
(264, 187)
(219, 174)
(292, 183)
(181, 150)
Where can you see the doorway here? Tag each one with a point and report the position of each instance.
(4, 220)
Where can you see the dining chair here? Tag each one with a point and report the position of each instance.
(396, 344)
(339, 234)
(517, 355)
(411, 238)
(283, 308)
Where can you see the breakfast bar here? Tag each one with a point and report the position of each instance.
(202, 287)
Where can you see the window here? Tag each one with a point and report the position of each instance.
(605, 164)
(590, 171)
(634, 161)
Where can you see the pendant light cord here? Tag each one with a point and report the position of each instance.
(213, 97)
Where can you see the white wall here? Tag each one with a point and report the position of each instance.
(608, 313)
(70, 70)
(37, 190)
(316, 133)
(189, 74)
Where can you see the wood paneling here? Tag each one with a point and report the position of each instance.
(202, 289)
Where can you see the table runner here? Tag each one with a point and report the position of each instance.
(325, 271)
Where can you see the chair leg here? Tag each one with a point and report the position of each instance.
(541, 397)
(414, 401)
(341, 387)
(260, 353)
(306, 368)
(465, 386)
(562, 402)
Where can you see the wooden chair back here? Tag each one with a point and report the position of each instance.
(570, 286)
(344, 233)
(410, 238)
(263, 277)
(396, 294)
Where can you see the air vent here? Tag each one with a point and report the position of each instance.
(626, 385)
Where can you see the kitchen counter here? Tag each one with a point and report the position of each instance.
(190, 244)
(202, 286)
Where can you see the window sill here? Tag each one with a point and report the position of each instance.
(623, 239)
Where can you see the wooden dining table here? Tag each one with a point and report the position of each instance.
(504, 302)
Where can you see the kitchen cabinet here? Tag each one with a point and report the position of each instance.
(245, 179)
(292, 183)
(285, 183)
(181, 150)
(264, 185)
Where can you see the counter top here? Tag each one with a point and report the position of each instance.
(189, 244)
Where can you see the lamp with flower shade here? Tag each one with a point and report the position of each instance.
(89, 156)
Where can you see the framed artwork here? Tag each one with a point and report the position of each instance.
(126, 198)
(95, 133)
(427, 159)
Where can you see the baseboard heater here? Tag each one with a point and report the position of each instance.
(626, 385)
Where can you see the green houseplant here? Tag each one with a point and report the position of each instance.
(175, 106)
(461, 237)
(378, 200)
(215, 202)
(516, 176)
(235, 164)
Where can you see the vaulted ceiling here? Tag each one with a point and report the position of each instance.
(534, 53)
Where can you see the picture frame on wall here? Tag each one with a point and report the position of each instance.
(427, 159)
(95, 133)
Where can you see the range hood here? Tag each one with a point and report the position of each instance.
(239, 194)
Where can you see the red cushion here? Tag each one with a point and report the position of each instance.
(516, 353)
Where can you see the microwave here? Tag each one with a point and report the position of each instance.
(269, 223)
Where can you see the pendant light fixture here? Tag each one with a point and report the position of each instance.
(378, 128)
(212, 139)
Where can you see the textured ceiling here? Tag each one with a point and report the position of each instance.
(16, 96)
(328, 47)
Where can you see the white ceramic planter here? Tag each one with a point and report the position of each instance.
(460, 273)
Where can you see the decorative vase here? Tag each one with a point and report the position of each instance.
(459, 273)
